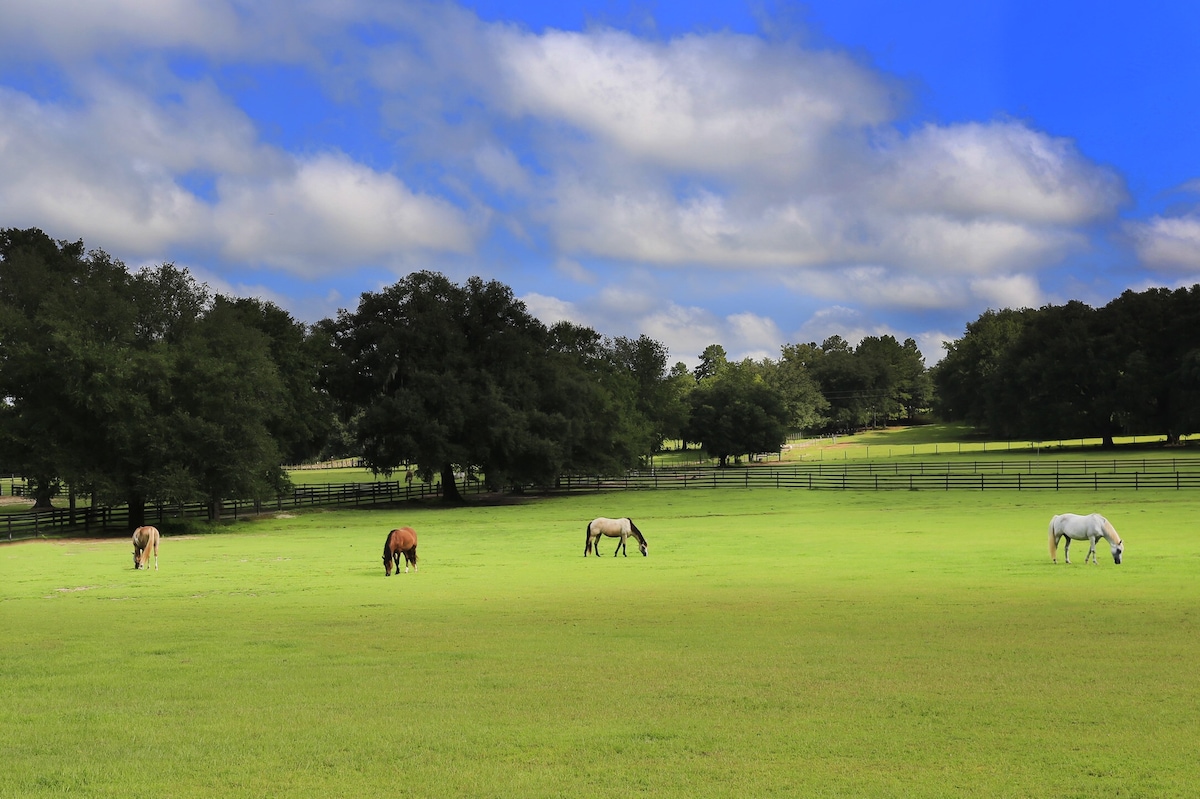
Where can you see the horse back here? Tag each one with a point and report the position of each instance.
(145, 537)
(402, 539)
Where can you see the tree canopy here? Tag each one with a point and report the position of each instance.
(1072, 370)
(463, 379)
(142, 387)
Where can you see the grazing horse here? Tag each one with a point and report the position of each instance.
(614, 528)
(400, 541)
(1084, 528)
(145, 539)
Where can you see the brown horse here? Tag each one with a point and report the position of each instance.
(400, 541)
(145, 539)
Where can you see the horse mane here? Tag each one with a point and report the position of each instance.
(635, 531)
(1109, 530)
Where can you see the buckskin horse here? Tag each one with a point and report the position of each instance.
(1091, 528)
(401, 541)
(145, 539)
(614, 528)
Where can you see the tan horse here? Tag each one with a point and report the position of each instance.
(402, 541)
(614, 528)
(145, 539)
(1090, 528)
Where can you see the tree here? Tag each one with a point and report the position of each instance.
(712, 361)
(792, 378)
(1154, 344)
(65, 333)
(134, 388)
(736, 412)
(1055, 384)
(462, 378)
(659, 398)
(846, 383)
(303, 420)
(968, 377)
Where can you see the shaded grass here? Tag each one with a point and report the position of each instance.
(774, 643)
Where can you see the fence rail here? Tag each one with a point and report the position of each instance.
(30, 525)
(1038, 475)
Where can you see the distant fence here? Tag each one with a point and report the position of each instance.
(891, 479)
(29, 525)
(1125, 474)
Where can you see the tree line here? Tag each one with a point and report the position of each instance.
(1131, 367)
(137, 387)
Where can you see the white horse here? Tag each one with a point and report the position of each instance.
(145, 539)
(614, 528)
(1091, 528)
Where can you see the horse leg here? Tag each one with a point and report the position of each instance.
(1091, 552)
(620, 547)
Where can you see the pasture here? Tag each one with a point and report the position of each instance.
(774, 643)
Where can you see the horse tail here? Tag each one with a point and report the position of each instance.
(1053, 543)
(587, 539)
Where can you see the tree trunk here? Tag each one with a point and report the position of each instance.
(43, 490)
(214, 509)
(137, 511)
(449, 486)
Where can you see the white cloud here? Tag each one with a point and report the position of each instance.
(754, 333)
(1008, 291)
(550, 310)
(1000, 169)
(114, 170)
(739, 154)
(1168, 243)
(330, 211)
(712, 103)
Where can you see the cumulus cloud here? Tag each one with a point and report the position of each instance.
(115, 171)
(1168, 243)
(328, 208)
(726, 152)
(1008, 291)
(999, 169)
(712, 103)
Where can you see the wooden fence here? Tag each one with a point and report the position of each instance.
(1033, 475)
(87, 519)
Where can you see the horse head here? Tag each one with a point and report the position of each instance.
(644, 547)
(1118, 549)
(136, 562)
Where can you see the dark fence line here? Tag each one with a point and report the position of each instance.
(30, 525)
(1142, 465)
(854, 480)
(1135, 475)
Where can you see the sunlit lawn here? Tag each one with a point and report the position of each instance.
(774, 643)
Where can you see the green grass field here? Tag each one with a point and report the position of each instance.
(774, 643)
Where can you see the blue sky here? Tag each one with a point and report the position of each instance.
(748, 174)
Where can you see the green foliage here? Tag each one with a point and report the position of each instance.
(137, 387)
(1071, 370)
(737, 412)
(451, 377)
